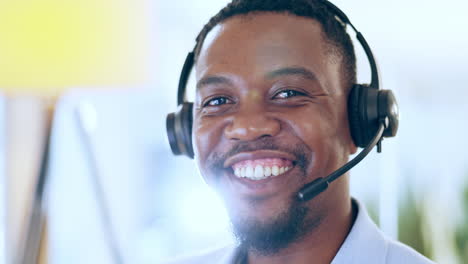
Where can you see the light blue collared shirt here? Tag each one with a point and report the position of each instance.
(365, 244)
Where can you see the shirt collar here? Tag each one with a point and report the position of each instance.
(363, 237)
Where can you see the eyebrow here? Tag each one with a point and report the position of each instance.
(208, 80)
(301, 71)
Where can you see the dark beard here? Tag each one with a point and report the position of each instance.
(269, 237)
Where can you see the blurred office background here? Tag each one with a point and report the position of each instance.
(115, 192)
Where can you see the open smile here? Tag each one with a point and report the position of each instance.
(260, 169)
(260, 165)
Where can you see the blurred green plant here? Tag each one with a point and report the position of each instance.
(413, 229)
(373, 210)
(461, 235)
(411, 224)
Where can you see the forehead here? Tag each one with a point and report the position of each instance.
(259, 42)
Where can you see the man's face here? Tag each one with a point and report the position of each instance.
(269, 116)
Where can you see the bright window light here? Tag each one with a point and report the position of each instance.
(202, 213)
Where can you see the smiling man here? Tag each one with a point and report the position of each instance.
(270, 115)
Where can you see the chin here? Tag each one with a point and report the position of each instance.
(257, 209)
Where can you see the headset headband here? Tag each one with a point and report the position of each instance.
(375, 80)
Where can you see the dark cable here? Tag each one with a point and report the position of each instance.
(319, 185)
(30, 251)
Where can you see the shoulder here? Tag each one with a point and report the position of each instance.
(400, 253)
(366, 243)
(215, 256)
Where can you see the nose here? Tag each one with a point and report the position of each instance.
(252, 125)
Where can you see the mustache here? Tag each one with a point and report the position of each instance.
(300, 151)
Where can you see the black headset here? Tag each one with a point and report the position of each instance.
(368, 105)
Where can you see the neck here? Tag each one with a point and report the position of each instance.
(318, 246)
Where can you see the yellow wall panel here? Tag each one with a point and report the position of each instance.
(55, 44)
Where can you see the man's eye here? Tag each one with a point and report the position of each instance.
(217, 101)
(287, 93)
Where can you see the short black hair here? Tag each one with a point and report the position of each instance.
(334, 30)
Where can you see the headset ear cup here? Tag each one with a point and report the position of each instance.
(363, 114)
(388, 108)
(354, 115)
(179, 130)
(171, 133)
(186, 124)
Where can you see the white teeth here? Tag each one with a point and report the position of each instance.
(259, 172)
(249, 172)
(275, 170)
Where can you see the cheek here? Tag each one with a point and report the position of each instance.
(314, 127)
(206, 135)
(315, 133)
(201, 147)
(322, 132)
